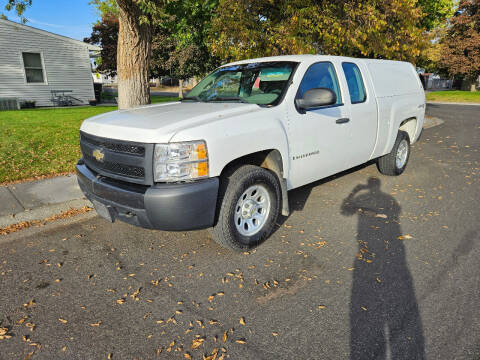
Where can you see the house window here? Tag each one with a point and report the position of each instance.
(32, 63)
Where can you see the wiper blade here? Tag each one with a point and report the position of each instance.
(194, 98)
(229, 98)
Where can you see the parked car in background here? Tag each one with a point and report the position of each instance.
(226, 156)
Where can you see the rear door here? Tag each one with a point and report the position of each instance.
(362, 105)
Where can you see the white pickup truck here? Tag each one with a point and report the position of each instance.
(226, 156)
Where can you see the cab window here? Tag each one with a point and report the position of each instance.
(355, 83)
(320, 75)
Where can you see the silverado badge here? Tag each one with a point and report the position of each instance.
(98, 154)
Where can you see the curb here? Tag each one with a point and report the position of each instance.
(35, 230)
(41, 213)
(451, 103)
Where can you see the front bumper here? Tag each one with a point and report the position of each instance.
(175, 207)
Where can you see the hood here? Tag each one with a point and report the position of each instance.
(159, 123)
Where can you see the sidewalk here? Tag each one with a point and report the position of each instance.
(40, 199)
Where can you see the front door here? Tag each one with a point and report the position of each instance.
(319, 138)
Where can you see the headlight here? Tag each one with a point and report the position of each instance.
(180, 161)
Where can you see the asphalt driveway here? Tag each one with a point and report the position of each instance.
(366, 267)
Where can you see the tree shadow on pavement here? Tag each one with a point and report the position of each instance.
(385, 321)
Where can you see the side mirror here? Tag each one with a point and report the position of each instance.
(315, 98)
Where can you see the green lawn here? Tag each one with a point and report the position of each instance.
(454, 96)
(155, 99)
(41, 142)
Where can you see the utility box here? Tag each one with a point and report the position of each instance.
(9, 104)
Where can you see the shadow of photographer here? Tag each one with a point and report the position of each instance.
(385, 321)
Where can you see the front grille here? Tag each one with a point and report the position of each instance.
(121, 160)
(121, 147)
(116, 168)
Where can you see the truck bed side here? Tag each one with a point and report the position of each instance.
(400, 99)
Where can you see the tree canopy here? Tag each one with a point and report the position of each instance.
(19, 6)
(179, 46)
(392, 29)
(461, 45)
(105, 33)
(435, 12)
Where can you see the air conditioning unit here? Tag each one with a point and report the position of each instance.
(9, 104)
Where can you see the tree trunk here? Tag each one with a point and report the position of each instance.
(133, 56)
(180, 89)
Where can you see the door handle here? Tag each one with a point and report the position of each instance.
(342, 120)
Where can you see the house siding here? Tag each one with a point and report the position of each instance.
(66, 65)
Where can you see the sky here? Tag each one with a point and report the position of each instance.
(72, 18)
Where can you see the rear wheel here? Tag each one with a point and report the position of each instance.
(395, 162)
(249, 204)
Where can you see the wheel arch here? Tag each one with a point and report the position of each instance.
(410, 127)
(270, 159)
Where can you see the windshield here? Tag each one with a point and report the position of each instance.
(255, 83)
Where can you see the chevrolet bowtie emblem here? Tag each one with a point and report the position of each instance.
(98, 154)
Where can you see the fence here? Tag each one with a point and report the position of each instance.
(439, 84)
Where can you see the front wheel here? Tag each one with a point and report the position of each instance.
(395, 162)
(249, 204)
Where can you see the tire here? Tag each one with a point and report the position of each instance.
(248, 207)
(391, 164)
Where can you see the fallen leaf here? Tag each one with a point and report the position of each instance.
(242, 321)
(275, 333)
(62, 320)
(240, 341)
(197, 343)
(96, 324)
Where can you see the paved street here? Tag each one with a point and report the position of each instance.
(364, 268)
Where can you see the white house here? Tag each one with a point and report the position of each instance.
(36, 65)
